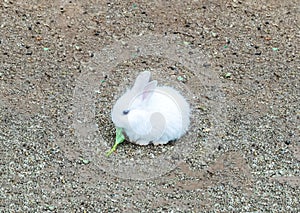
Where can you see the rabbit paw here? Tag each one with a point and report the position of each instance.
(156, 143)
(142, 142)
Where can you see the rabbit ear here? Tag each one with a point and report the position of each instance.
(148, 90)
(141, 81)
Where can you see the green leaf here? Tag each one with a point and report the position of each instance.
(119, 139)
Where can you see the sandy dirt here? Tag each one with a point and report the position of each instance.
(64, 64)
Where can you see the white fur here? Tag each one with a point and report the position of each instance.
(156, 114)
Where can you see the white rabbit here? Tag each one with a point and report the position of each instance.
(151, 114)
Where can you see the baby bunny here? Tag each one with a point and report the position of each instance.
(151, 114)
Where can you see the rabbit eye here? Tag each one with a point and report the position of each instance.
(125, 112)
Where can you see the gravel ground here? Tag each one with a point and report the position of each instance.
(64, 63)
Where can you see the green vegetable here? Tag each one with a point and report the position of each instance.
(119, 139)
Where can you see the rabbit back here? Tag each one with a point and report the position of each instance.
(164, 117)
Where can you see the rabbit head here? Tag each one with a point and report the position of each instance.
(133, 99)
